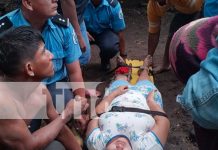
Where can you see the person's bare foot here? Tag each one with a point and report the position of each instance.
(161, 69)
(146, 65)
(120, 61)
(147, 62)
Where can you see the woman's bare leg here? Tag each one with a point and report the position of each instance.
(144, 74)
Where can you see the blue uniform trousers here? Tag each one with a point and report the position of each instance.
(108, 42)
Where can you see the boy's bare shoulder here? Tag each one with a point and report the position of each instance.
(8, 109)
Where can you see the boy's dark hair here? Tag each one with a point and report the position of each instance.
(17, 46)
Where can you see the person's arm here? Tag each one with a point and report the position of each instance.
(162, 124)
(122, 43)
(91, 126)
(75, 75)
(102, 106)
(69, 11)
(66, 136)
(190, 6)
(118, 26)
(90, 37)
(78, 87)
(23, 139)
(17, 135)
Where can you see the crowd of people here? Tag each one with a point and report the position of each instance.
(44, 45)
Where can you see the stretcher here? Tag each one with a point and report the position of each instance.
(135, 66)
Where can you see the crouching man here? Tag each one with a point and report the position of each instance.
(23, 97)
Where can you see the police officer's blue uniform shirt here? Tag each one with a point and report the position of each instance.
(210, 8)
(58, 39)
(105, 16)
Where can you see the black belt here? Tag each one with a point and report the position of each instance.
(130, 109)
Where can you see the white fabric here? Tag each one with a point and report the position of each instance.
(132, 125)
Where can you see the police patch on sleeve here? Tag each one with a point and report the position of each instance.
(59, 20)
(5, 24)
(75, 40)
(120, 14)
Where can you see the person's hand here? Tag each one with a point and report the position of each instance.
(152, 104)
(162, 123)
(67, 114)
(81, 105)
(91, 38)
(120, 90)
(81, 124)
(74, 107)
(82, 43)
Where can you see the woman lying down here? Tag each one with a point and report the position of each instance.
(130, 117)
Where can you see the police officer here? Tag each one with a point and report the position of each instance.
(105, 24)
(210, 8)
(59, 37)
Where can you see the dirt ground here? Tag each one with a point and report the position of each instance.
(136, 46)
